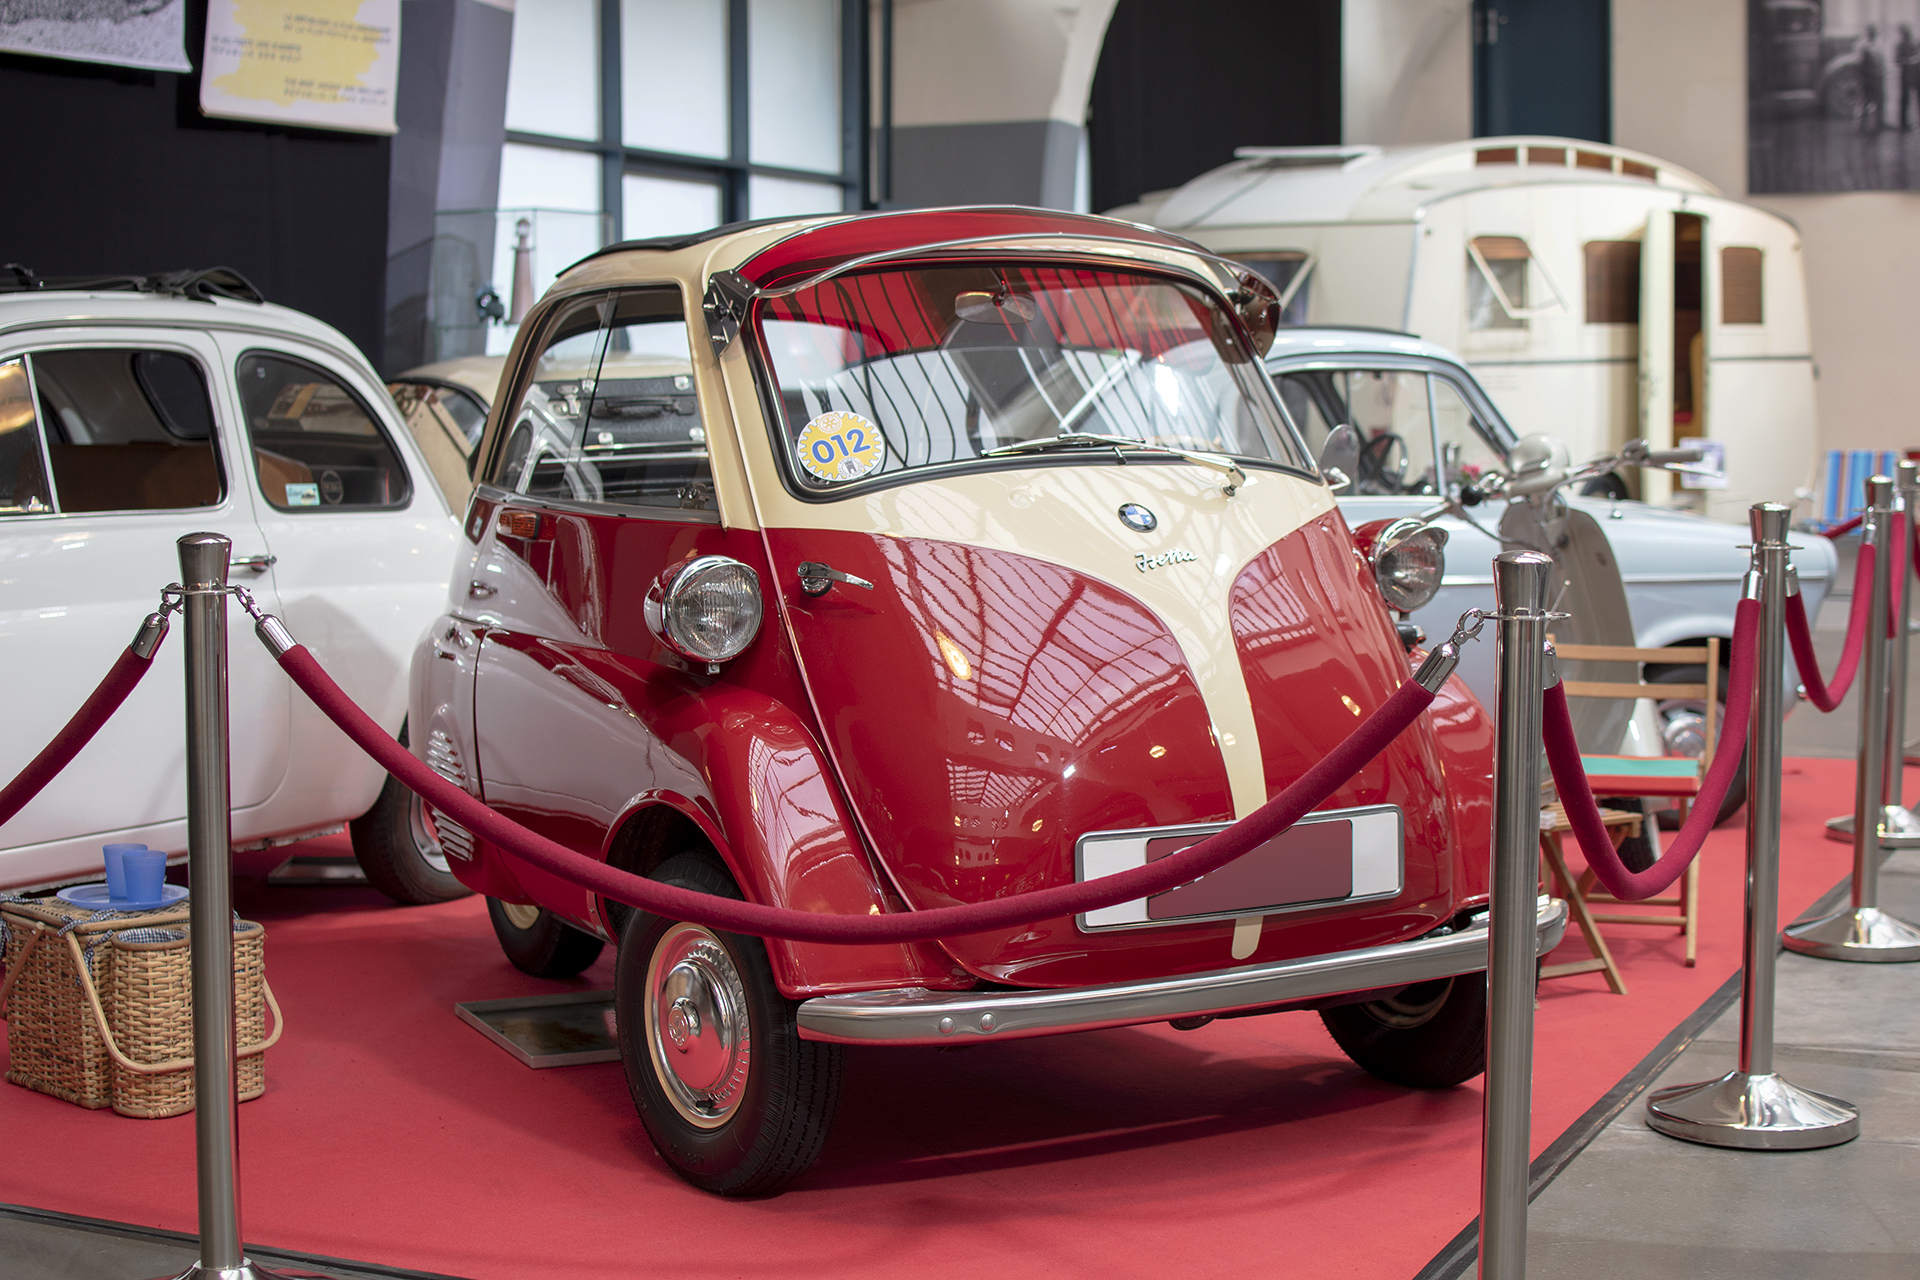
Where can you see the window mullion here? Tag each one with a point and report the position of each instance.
(612, 165)
(738, 102)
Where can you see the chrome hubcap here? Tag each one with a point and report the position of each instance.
(697, 1030)
(1683, 727)
(426, 841)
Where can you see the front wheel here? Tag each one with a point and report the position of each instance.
(733, 1099)
(395, 844)
(1432, 1035)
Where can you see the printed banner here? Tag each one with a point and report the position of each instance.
(326, 64)
(125, 33)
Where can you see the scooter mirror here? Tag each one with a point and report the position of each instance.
(1341, 452)
(1536, 464)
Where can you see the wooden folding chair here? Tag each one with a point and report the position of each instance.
(1654, 777)
(1620, 826)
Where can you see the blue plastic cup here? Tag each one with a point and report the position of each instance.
(116, 881)
(145, 871)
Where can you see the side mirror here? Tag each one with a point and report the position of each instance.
(1536, 464)
(1340, 453)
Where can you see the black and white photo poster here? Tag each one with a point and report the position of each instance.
(1833, 95)
(125, 33)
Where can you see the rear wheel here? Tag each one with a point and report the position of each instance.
(396, 846)
(1432, 1035)
(538, 942)
(733, 1099)
(1683, 730)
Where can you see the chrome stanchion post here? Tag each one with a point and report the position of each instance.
(203, 575)
(1899, 827)
(1751, 1106)
(1520, 580)
(1862, 931)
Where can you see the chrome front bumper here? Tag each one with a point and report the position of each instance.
(915, 1015)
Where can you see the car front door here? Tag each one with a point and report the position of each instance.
(361, 544)
(114, 443)
(602, 481)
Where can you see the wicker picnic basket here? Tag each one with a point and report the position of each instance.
(99, 1005)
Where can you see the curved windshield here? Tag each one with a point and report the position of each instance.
(888, 372)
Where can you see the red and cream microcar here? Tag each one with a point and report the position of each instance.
(871, 564)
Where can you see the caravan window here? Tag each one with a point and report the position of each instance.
(1290, 272)
(1740, 301)
(1613, 281)
(1497, 282)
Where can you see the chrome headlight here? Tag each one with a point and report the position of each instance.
(1408, 560)
(706, 609)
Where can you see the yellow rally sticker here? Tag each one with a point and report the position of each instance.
(839, 446)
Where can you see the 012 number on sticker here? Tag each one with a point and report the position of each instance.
(839, 446)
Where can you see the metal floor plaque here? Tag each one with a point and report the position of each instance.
(310, 870)
(562, 1030)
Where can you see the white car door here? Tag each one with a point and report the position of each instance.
(362, 543)
(115, 442)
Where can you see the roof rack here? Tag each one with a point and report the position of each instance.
(202, 284)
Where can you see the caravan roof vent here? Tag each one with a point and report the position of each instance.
(1306, 157)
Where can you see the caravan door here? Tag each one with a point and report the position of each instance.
(1656, 348)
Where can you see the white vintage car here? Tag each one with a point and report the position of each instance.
(1425, 426)
(133, 412)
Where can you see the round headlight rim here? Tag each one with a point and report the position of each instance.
(671, 588)
(1398, 536)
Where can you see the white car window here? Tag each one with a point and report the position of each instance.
(1388, 407)
(23, 470)
(126, 429)
(314, 443)
(1463, 441)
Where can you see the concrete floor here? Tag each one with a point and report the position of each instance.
(38, 1245)
(1640, 1204)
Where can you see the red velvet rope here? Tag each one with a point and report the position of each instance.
(1898, 579)
(1366, 741)
(78, 732)
(1844, 528)
(1826, 694)
(1563, 754)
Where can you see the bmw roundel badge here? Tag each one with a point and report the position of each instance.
(1138, 518)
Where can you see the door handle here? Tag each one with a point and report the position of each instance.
(258, 564)
(816, 578)
(481, 589)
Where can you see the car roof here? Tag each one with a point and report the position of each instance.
(478, 374)
(771, 250)
(1293, 342)
(51, 308)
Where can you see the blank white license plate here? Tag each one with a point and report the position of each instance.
(1334, 856)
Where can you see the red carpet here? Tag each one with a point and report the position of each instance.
(393, 1133)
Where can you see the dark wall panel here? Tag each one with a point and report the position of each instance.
(116, 171)
(1181, 83)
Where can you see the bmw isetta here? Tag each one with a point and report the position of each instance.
(871, 564)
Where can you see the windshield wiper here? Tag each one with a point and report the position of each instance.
(1086, 439)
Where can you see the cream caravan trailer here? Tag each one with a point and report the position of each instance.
(1598, 293)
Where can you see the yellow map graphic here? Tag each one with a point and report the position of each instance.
(299, 51)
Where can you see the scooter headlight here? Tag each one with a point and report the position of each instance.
(1408, 561)
(707, 609)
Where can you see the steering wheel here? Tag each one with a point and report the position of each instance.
(1374, 476)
